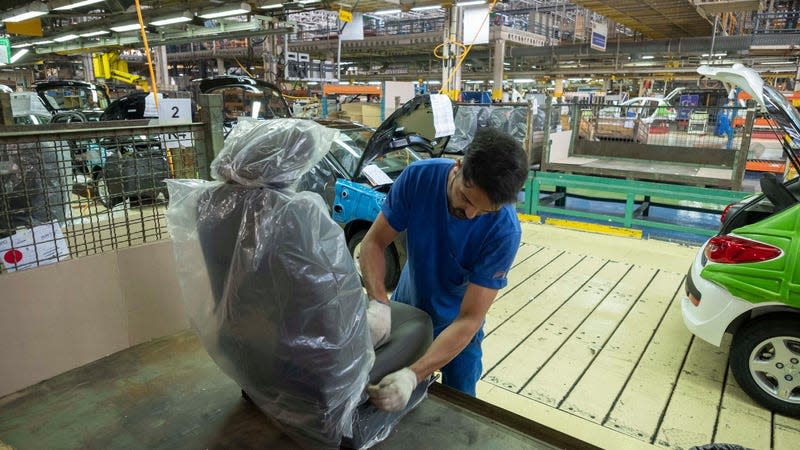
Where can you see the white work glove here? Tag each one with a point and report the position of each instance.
(379, 319)
(394, 390)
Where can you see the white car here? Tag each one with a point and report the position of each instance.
(648, 109)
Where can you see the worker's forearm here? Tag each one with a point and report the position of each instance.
(450, 342)
(373, 270)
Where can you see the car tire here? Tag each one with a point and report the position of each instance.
(108, 191)
(762, 374)
(390, 256)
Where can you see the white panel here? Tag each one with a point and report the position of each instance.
(476, 25)
(354, 31)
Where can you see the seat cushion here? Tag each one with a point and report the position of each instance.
(412, 334)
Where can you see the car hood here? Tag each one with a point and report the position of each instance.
(772, 101)
(411, 125)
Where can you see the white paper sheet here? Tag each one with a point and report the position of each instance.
(33, 247)
(443, 121)
(376, 176)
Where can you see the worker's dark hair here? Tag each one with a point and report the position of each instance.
(496, 163)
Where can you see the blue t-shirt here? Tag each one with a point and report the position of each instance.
(444, 252)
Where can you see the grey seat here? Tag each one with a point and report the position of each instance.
(289, 314)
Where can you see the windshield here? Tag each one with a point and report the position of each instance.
(394, 162)
(246, 101)
(68, 98)
(349, 148)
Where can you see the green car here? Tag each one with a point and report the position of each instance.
(746, 279)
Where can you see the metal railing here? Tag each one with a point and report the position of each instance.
(72, 190)
(784, 22)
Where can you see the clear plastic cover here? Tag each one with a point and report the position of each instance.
(268, 282)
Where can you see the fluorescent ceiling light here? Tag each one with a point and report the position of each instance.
(233, 10)
(42, 42)
(387, 11)
(66, 37)
(271, 4)
(305, 2)
(523, 80)
(94, 33)
(648, 57)
(76, 4)
(125, 27)
(426, 8)
(472, 3)
(26, 44)
(185, 16)
(33, 9)
(16, 56)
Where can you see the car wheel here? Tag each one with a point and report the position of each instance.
(765, 360)
(108, 192)
(390, 256)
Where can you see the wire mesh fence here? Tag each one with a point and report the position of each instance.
(655, 122)
(74, 190)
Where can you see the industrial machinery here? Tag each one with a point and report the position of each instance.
(109, 66)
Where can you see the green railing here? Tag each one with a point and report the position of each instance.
(627, 190)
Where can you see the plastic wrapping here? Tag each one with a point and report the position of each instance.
(268, 283)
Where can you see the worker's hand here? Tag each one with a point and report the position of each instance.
(394, 390)
(379, 318)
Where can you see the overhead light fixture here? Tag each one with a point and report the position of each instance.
(16, 56)
(426, 8)
(648, 57)
(95, 33)
(125, 27)
(271, 4)
(42, 42)
(227, 11)
(306, 2)
(23, 45)
(65, 38)
(471, 3)
(387, 11)
(185, 16)
(72, 4)
(33, 9)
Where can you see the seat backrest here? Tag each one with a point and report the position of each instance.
(288, 308)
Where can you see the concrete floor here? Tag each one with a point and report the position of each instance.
(588, 339)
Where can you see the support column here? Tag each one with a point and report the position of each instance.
(162, 67)
(88, 68)
(453, 32)
(220, 66)
(497, 69)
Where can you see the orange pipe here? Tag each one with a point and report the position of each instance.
(147, 52)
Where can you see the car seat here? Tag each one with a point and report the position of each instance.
(285, 316)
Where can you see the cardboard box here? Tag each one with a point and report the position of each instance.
(372, 114)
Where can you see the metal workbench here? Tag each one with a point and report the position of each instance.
(168, 393)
